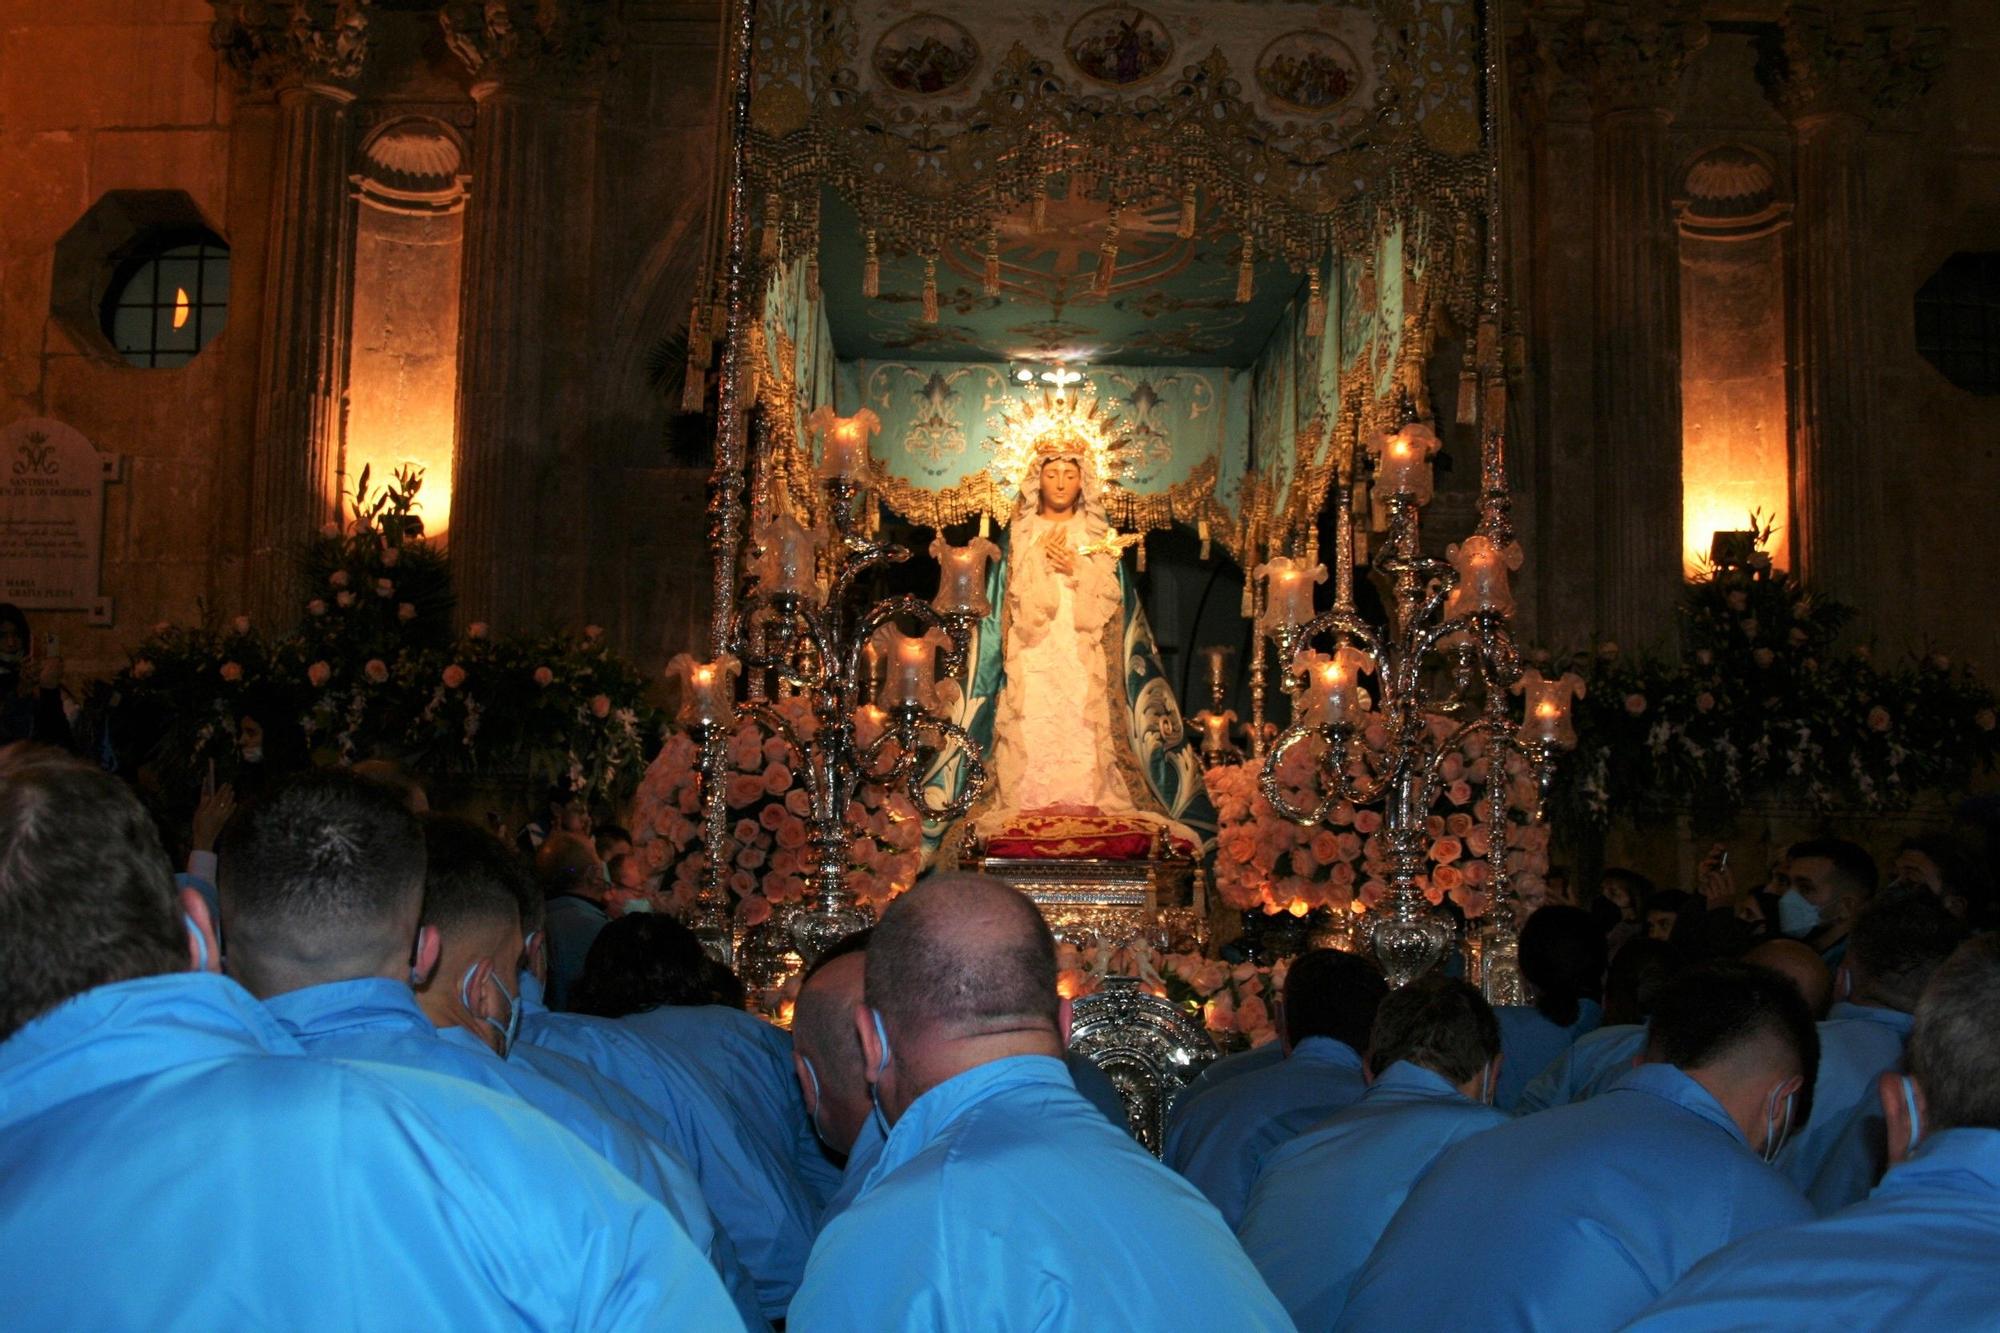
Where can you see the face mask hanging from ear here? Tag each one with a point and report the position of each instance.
(1916, 1116)
(1486, 1085)
(200, 943)
(875, 1086)
(1776, 1131)
(508, 1030)
(812, 1077)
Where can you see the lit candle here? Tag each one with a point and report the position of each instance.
(1333, 694)
(962, 576)
(1403, 461)
(789, 561)
(869, 724)
(1482, 576)
(1547, 718)
(912, 665)
(1289, 602)
(708, 689)
(843, 442)
(1215, 729)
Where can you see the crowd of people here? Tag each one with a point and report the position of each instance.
(361, 1065)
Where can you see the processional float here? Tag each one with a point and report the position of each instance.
(1241, 230)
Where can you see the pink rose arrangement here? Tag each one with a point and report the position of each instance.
(767, 808)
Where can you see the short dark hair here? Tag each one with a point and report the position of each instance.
(1853, 868)
(86, 893)
(1439, 1023)
(603, 835)
(1899, 939)
(1708, 1013)
(1639, 971)
(326, 872)
(1562, 957)
(642, 962)
(1329, 993)
(566, 863)
(1954, 1049)
(470, 876)
(942, 959)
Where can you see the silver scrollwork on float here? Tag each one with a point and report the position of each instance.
(1149, 1048)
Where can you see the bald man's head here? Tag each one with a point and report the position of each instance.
(827, 1049)
(962, 955)
(1800, 964)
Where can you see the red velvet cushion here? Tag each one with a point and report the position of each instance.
(1031, 836)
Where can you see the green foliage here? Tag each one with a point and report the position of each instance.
(374, 670)
(1764, 705)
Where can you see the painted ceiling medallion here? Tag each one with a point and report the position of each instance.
(1118, 45)
(925, 55)
(1308, 72)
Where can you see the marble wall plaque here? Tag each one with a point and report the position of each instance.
(52, 483)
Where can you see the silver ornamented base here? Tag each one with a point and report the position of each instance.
(1092, 902)
(1148, 1048)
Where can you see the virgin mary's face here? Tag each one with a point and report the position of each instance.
(1062, 482)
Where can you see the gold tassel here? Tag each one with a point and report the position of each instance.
(1249, 596)
(871, 269)
(1186, 228)
(697, 339)
(991, 285)
(812, 277)
(1315, 307)
(1202, 528)
(1246, 274)
(694, 387)
(1140, 548)
(985, 524)
(1107, 257)
(769, 249)
(1468, 395)
(930, 291)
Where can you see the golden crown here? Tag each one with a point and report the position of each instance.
(1029, 431)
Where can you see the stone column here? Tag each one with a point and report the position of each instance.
(518, 547)
(1554, 240)
(1635, 55)
(1834, 74)
(307, 56)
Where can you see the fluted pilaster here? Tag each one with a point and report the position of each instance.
(308, 56)
(1636, 54)
(1838, 70)
(517, 485)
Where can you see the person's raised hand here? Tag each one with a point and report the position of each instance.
(50, 675)
(211, 814)
(1713, 878)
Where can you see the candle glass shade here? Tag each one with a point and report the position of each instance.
(1289, 585)
(843, 441)
(912, 666)
(1403, 462)
(788, 559)
(1333, 695)
(708, 689)
(1547, 718)
(1482, 577)
(962, 576)
(1215, 729)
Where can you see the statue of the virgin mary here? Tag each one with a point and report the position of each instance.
(1053, 739)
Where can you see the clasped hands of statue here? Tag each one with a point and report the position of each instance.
(1057, 551)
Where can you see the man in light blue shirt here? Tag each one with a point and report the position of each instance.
(643, 971)
(322, 883)
(1324, 1198)
(826, 1056)
(1220, 1071)
(1003, 1200)
(573, 881)
(1918, 1254)
(1639, 971)
(1586, 1213)
(1899, 939)
(169, 1157)
(1220, 1141)
(1562, 957)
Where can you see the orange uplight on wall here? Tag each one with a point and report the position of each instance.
(182, 307)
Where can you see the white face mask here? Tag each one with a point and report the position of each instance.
(1486, 1085)
(1777, 1130)
(1916, 1116)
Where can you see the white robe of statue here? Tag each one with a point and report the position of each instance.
(1052, 730)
